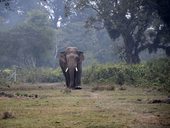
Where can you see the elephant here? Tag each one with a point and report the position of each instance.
(70, 62)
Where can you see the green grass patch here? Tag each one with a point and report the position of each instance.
(84, 108)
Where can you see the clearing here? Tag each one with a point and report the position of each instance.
(53, 106)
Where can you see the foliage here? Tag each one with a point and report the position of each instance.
(28, 35)
(29, 44)
(155, 72)
(130, 19)
(42, 75)
(31, 75)
(19, 9)
(158, 72)
(118, 73)
(90, 42)
(4, 77)
(163, 7)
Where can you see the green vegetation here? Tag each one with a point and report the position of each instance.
(152, 73)
(112, 95)
(29, 36)
(155, 72)
(41, 75)
(4, 77)
(31, 75)
(158, 72)
(28, 44)
(133, 20)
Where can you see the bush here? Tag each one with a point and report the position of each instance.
(117, 73)
(42, 75)
(30, 75)
(154, 72)
(5, 77)
(158, 72)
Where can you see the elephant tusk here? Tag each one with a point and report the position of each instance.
(76, 69)
(66, 70)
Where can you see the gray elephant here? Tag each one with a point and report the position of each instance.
(71, 64)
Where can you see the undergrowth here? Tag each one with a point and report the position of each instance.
(155, 72)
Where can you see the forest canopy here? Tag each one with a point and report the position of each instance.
(139, 22)
(32, 32)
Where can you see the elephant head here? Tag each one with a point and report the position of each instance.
(71, 64)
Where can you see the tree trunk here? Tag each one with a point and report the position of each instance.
(132, 58)
(131, 51)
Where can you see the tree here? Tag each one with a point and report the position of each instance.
(30, 43)
(163, 7)
(130, 19)
(19, 8)
(91, 42)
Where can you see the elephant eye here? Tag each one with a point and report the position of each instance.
(77, 58)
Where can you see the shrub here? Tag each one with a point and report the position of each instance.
(158, 72)
(30, 75)
(154, 72)
(42, 75)
(5, 77)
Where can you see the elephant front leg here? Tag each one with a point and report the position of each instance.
(78, 80)
(71, 78)
(66, 76)
(67, 79)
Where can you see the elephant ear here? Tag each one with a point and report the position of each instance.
(62, 57)
(81, 55)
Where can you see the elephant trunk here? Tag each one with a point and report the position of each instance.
(72, 76)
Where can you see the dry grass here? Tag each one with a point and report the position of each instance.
(57, 108)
